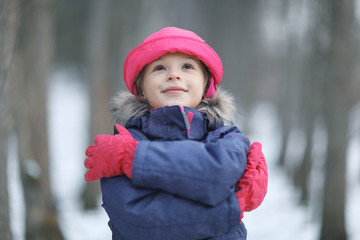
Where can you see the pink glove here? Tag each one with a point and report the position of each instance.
(112, 155)
(252, 186)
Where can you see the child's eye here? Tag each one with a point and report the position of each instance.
(188, 66)
(159, 68)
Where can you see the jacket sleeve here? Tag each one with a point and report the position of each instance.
(140, 213)
(205, 172)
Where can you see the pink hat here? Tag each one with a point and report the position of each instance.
(172, 39)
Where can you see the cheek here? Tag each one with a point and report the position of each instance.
(201, 87)
(147, 86)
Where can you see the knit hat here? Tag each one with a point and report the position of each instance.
(172, 39)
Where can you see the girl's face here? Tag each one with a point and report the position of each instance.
(174, 79)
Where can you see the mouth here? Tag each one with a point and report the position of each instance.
(174, 90)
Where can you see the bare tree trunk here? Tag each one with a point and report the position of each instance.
(302, 174)
(338, 101)
(9, 21)
(98, 47)
(110, 25)
(333, 219)
(4, 196)
(309, 105)
(33, 65)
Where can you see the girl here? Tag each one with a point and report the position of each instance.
(176, 170)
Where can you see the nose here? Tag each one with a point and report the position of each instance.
(173, 75)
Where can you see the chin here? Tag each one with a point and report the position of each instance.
(174, 103)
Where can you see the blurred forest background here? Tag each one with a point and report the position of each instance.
(300, 57)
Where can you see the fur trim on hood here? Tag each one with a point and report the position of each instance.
(220, 107)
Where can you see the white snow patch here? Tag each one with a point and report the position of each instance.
(16, 194)
(68, 130)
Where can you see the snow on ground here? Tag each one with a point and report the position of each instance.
(68, 114)
(353, 174)
(278, 218)
(16, 197)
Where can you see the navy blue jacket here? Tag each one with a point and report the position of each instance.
(183, 178)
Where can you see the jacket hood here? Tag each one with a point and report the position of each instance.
(219, 108)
